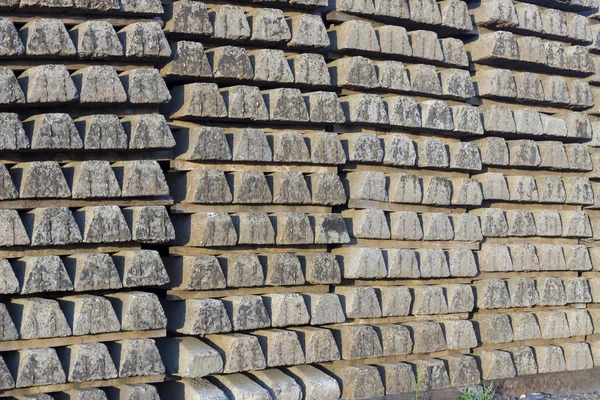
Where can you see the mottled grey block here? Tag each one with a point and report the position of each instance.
(99, 85)
(148, 131)
(138, 311)
(145, 86)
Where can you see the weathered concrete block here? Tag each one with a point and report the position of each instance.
(548, 223)
(289, 187)
(198, 317)
(353, 72)
(38, 179)
(455, 14)
(454, 52)
(426, 45)
(359, 302)
(494, 150)
(550, 359)
(460, 298)
(46, 37)
(246, 312)
(309, 69)
(324, 107)
(463, 370)
(92, 179)
(270, 66)
(37, 318)
(499, 45)
(52, 131)
(437, 190)
(285, 105)
(367, 185)
(250, 187)
(150, 224)
(102, 131)
(189, 357)
(102, 224)
(12, 93)
(8, 331)
(368, 223)
(229, 23)
(36, 367)
(281, 347)
(576, 224)
(92, 271)
(136, 357)
(524, 153)
(580, 322)
(12, 134)
(188, 59)
(293, 228)
(89, 315)
(239, 352)
(425, 79)
(496, 83)
(363, 146)
(96, 39)
(148, 131)
(577, 290)
(284, 269)
(321, 268)
(354, 35)
(406, 225)
(326, 188)
(144, 40)
(286, 309)
(357, 341)
(552, 291)
(579, 156)
(230, 62)
(467, 119)
(405, 188)
(436, 115)
(464, 155)
(392, 75)
(269, 25)
(138, 311)
(308, 31)
(433, 263)
(318, 344)
(51, 226)
(145, 86)
(429, 300)
(315, 383)
(289, 146)
(255, 228)
(459, 334)
(577, 356)
(437, 226)
(492, 293)
(551, 189)
(525, 257)
(494, 328)
(393, 40)
(432, 374)
(245, 102)
(141, 268)
(556, 90)
(427, 337)
(42, 274)
(188, 17)
(524, 360)
(366, 108)
(522, 292)
(329, 228)
(432, 153)
(397, 377)
(553, 324)
(496, 364)
(500, 13)
(99, 85)
(324, 308)
(467, 191)
(88, 362)
(278, 384)
(399, 150)
(402, 111)
(360, 382)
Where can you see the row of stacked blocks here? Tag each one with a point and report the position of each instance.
(296, 200)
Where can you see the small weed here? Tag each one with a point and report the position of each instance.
(482, 393)
(417, 395)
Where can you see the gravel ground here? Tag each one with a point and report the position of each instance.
(593, 395)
